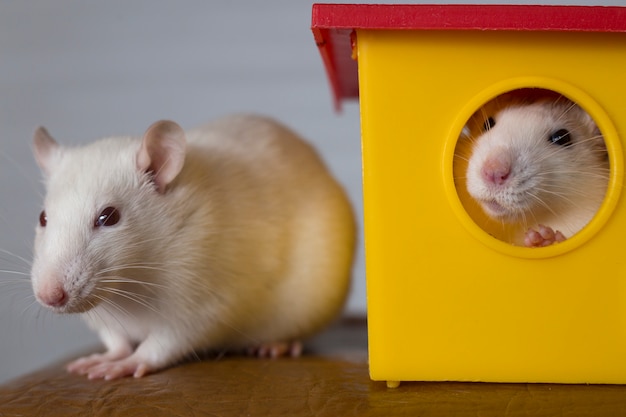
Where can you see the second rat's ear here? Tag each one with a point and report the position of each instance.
(45, 149)
(162, 152)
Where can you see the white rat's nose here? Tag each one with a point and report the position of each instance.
(52, 294)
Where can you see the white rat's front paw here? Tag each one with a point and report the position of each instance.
(276, 349)
(130, 366)
(543, 236)
(81, 366)
(101, 367)
(109, 365)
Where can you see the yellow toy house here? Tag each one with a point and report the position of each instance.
(446, 300)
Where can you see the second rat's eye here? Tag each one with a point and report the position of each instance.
(561, 137)
(489, 123)
(108, 217)
(43, 218)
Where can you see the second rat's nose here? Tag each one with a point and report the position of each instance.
(496, 170)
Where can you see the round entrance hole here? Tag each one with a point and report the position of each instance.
(532, 167)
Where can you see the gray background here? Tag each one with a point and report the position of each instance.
(91, 69)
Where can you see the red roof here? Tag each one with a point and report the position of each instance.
(333, 24)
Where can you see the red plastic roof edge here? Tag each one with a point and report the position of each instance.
(332, 25)
(470, 16)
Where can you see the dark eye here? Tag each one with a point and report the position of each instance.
(489, 123)
(108, 217)
(561, 137)
(43, 219)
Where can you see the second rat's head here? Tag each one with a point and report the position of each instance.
(94, 221)
(529, 159)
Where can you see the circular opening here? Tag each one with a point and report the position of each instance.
(532, 169)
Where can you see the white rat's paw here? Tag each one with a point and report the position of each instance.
(544, 236)
(109, 366)
(276, 349)
(130, 366)
(81, 366)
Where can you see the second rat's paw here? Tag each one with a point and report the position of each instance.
(277, 349)
(543, 236)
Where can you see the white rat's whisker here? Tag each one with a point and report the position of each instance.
(127, 267)
(125, 280)
(132, 295)
(17, 167)
(106, 303)
(196, 283)
(25, 310)
(140, 299)
(16, 256)
(15, 275)
(113, 310)
(10, 271)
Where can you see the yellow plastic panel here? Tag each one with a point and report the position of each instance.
(445, 300)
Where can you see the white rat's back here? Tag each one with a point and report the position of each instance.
(292, 237)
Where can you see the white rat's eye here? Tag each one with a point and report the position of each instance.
(561, 137)
(108, 217)
(489, 123)
(43, 218)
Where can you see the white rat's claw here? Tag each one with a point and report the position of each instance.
(142, 369)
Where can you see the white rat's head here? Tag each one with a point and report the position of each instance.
(98, 205)
(529, 160)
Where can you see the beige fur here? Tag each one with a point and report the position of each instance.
(245, 241)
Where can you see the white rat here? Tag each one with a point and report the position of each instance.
(237, 237)
(538, 167)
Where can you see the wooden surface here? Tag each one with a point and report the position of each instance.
(330, 380)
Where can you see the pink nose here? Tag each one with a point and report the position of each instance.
(54, 296)
(496, 170)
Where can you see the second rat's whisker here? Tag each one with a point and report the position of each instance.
(542, 203)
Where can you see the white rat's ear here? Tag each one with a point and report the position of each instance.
(45, 149)
(587, 120)
(591, 123)
(162, 152)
